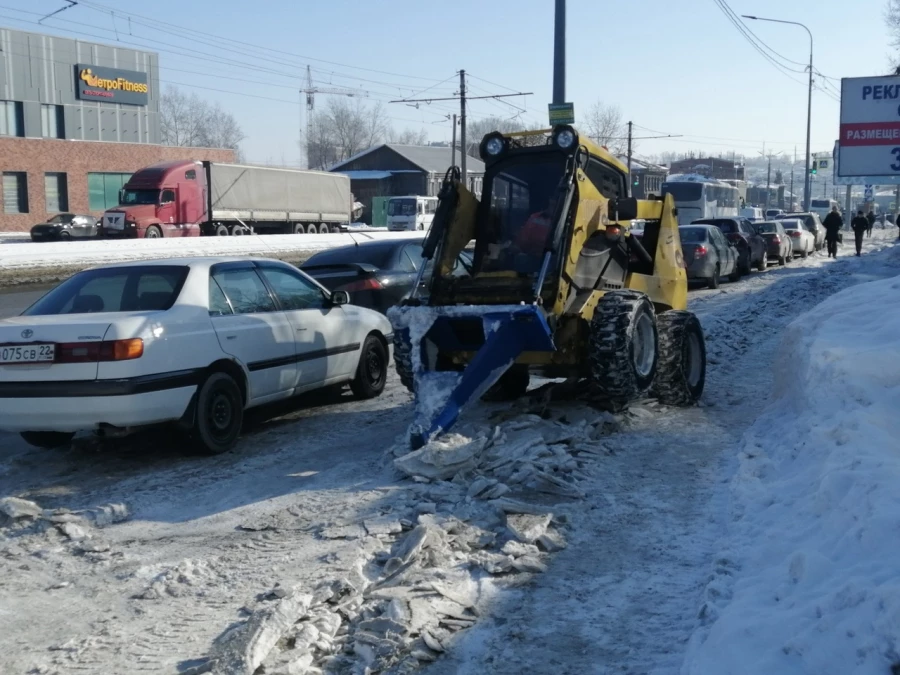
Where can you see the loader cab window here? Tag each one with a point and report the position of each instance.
(516, 222)
(609, 182)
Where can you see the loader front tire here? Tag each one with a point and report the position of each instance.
(403, 361)
(681, 372)
(623, 349)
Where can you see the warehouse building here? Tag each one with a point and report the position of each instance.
(392, 170)
(76, 120)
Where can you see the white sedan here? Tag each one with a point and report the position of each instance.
(803, 241)
(190, 341)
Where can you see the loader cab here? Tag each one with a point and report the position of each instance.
(527, 209)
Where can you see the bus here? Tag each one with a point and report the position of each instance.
(700, 197)
(822, 206)
(410, 213)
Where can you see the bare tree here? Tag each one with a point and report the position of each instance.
(604, 125)
(892, 19)
(408, 137)
(189, 121)
(344, 128)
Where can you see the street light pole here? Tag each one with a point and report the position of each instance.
(806, 180)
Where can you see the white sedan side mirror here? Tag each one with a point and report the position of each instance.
(340, 298)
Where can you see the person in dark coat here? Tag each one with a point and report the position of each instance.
(833, 225)
(870, 218)
(859, 224)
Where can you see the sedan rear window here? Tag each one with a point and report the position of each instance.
(692, 235)
(791, 225)
(766, 228)
(114, 289)
(379, 256)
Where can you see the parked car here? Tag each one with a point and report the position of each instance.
(65, 226)
(813, 224)
(739, 231)
(376, 274)
(189, 342)
(804, 241)
(708, 254)
(771, 214)
(778, 242)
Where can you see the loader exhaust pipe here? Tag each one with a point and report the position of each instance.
(559, 53)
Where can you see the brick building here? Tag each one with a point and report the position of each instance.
(76, 120)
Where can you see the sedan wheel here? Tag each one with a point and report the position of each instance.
(371, 373)
(763, 262)
(713, 281)
(219, 414)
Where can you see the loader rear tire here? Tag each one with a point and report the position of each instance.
(681, 372)
(623, 348)
(403, 362)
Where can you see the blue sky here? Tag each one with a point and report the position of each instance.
(673, 67)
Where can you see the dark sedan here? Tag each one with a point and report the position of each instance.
(778, 243)
(740, 231)
(65, 226)
(708, 255)
(376, 274)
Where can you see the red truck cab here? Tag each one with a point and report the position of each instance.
(169, 199)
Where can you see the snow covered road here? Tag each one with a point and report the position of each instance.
(206, 539)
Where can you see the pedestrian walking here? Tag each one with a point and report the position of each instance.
(833, 225)
(859, 224)
(870, 219)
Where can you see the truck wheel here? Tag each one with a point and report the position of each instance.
(681, 372)
(153, 232)
(219, 414)
(371, 373)
(47, 439)
(221, 230)
(299, 228)
(512, 385)
(237, 231)
(622, 347)
(403, 360)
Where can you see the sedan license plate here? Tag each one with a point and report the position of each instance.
(27, 353)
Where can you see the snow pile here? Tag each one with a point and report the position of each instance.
(481, 508)
(808, 582)
(16, 255)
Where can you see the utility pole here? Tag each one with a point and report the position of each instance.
(559, 53)
(629, 150)
(768, 181)
(792, 188)
(848, 206)
(462, 98)
(453, 144)
(897, 209)
(462, 128)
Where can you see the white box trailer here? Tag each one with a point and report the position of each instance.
(268, 200)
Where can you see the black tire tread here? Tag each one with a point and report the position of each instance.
(360, 385)
(611, 372)
(670, 386)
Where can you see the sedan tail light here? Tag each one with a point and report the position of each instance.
(795, 233)
(700, 250)
(370, 284)
(776, 239)
(95, 352)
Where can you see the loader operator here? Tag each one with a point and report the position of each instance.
(532, 238)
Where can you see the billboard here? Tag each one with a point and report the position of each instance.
(869, 143)
(111, 85)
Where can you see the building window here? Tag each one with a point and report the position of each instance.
(56, 192)
(11, 123)
(52, 122)
(103, 189)
(15, 192)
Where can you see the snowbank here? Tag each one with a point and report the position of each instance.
(809, 582)
(24, 255)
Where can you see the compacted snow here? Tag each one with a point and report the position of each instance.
(743, 535)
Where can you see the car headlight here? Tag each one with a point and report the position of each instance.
(566, 138)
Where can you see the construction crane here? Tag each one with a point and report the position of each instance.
(311, 92)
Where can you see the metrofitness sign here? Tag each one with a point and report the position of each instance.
(869, 144)
(111, 85)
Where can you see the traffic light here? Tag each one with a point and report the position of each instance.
(814, 169)
(636, 181)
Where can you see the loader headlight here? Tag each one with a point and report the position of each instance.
(493, 145)
(565, 137)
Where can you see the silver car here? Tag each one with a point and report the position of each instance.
(708, 255)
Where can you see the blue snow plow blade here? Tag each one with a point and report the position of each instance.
(428, 332)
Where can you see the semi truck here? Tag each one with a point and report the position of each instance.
(191, 198)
